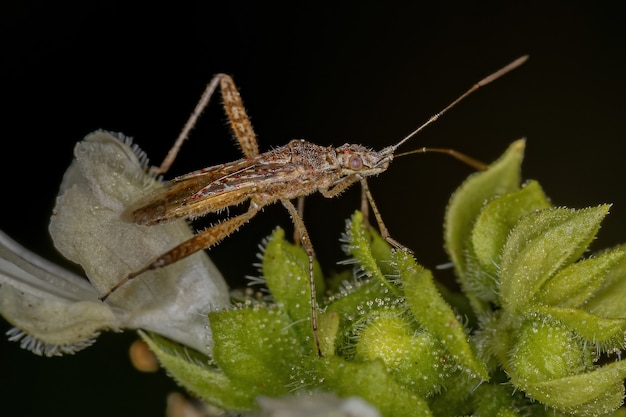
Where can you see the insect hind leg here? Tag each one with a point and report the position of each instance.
(203, 240)
(234, 109)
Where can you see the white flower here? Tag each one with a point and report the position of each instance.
(316, 404)
(57, 312)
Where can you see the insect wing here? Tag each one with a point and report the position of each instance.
(208, 190)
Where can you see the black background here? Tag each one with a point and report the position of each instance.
(359, 72)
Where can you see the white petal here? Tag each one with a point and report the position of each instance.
(88, 227)
(316, 404)
(54, 310)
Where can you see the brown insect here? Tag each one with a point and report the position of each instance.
(283, 174)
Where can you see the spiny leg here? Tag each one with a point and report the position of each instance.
(200, 241)
(308, 247)
(240, 123)
(239, 120)
(330, 192)
(296, 234)
(365, 207)
(341, 186)
(234, 109)
(366, 195)
(384, 232)
(191, 122)
(301, 207)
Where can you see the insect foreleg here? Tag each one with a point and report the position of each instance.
(305, 240)
(330, 192)
(384, 232)
(339, 187)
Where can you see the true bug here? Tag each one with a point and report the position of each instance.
(282, 174)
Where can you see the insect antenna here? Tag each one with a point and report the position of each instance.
(519, 61)
(474, 163)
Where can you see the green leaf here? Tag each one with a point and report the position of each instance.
(191, 371)
(370, 250)
(608, 301)
(545, 349)
(496, 401)
(574, 285)
(539, 246)
(503, 176)
(354, 307)
(607, 334)
(415, 359)
(595, 393)
(358, 299)
(328, 331)
(256, 348)
(432, 312)
(456, 398)
(496, 220)
(371, 381)
(286, 272)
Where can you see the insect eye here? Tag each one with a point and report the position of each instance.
(355, 162)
